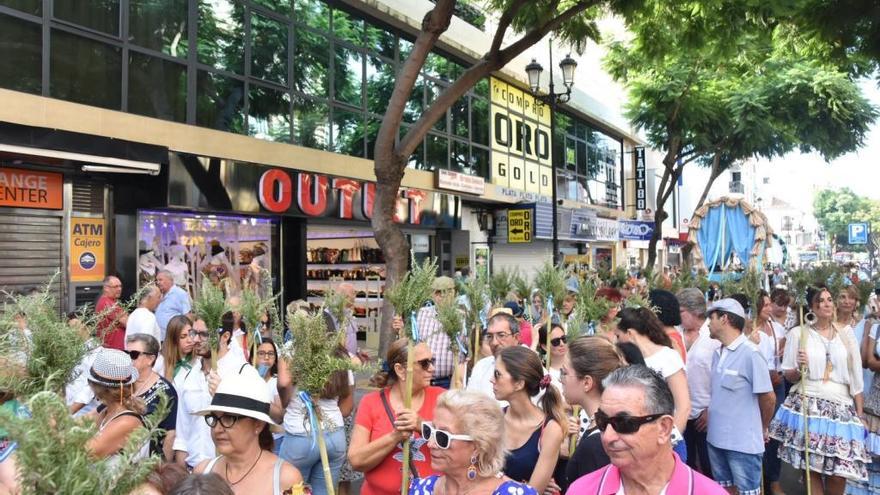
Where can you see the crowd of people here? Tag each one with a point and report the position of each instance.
(686, 393)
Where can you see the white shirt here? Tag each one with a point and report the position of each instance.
(666, 361)
(296, 422)
(142, 320)
(78, 391)
(766, 348)
(481, 376)
(193, 434)
(699, 370)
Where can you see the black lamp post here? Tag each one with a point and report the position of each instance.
(553, 99)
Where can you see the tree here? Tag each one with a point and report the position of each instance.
(723, 83)
(573, 23)
(836, 209)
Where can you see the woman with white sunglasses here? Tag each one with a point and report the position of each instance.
(466, 440)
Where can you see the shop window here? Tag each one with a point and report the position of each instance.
(437, 155)
(348, 28)
(348, 82)
(85, 71)
(482, 89)
(348, 132)
(268, 114)
(99, 15)
(280, 6)
(159, 25)
(268, 49)
(415, 106)
(373, 125)
(312, 13)
(480, 121)
(230, 251)
(34, 7)
(381, 41)
(459, 117)
(21, 56)
(581, 168)
(311, 124)
(459, 159)
(417, 159)
(220, 102)
(480, 162)
(156, 87)
(433, 91)
(221, 35)
(311, 64)
(380, 84)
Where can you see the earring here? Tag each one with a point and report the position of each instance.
(810, 317)
(472, 469)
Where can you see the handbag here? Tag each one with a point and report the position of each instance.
(414, 472)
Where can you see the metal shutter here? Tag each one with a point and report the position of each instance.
(31, 251)
(527, 257)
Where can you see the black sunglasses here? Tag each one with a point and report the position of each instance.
(624, 423)
(558, 341)
(227, 420)
(136, 354)
(441, 437)
(426, 363)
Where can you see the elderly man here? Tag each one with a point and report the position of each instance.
(351, 344)
(700, 349)
(111, 326)
(502, 331)
(433, 335)
(143, 319)
(742, 402)
(635, 418)
(175, 301)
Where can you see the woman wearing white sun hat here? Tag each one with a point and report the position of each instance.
(239, 421)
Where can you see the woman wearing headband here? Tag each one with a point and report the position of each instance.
(534, 434)
(383, 423)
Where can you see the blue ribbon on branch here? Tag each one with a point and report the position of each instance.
(310, 410)
(550, 306)
(414, 325)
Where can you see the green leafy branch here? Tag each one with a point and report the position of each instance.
(413, 290)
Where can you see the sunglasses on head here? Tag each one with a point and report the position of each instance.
(442, 437)
(426, 363)
(624, 423)
(227, 420)
(136, 354)
(558, 341)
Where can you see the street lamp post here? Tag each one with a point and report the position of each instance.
(552, 99)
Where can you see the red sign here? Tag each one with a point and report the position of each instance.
(29, 189)
(316, 195)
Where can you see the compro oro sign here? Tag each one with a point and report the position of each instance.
(88, 244)
(521, 141)
(520, 227)
(30, 189)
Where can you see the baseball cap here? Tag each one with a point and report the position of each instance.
(728, 305)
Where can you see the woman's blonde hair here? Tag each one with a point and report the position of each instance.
(479, 416)
(123, 394)
(171, 348)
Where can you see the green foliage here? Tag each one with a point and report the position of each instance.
(522, 287)
(478, 295)
(311, 354)
(550, 280)
(836, 209)
(637, 300)
(749, 283)
(335, 303)
(51, 352)
(209, 304)
(451, 321)
(413, 290)
(687, 280)
(504, 281)
(588, 309)
(53, 458)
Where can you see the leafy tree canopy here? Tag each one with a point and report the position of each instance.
(836, 209)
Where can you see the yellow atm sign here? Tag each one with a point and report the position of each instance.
(519, 226)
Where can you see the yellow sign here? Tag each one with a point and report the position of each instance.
(521, 140)
(88, 244)
(519, 226)
(462, 261)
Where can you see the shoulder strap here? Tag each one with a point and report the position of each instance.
(210, 466)
(242, 368)
(127, 413)
(387, 406)
(276, 477)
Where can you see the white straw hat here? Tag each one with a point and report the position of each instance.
(243, 394)
(112, 368)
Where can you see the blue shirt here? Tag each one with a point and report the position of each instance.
(175, 302)
(739, 375)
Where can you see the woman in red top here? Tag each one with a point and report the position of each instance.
(376, 442)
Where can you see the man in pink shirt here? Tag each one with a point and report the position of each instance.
(111, 325)
(635, 418)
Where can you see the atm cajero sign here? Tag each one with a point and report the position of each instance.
(521, 140)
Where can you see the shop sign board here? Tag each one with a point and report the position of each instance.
(635, 230)
(641, 180)
(88, 245)
(30, 189)
(461, 261)
(421, 243)
(284, 191)
(521, 140)
(520, 226)
(600, 229)
(455, 181)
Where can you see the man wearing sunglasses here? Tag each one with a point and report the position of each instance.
(742, 402)
(636, 421)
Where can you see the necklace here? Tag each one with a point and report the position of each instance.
(231, 483)
(829, 366)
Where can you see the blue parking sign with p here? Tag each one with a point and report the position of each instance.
(858, 233)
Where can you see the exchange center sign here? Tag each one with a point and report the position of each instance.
(521, 140)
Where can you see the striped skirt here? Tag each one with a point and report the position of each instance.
(837, 437)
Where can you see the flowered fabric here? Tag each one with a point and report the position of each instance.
(872, 445)
(425, 486)
(837, 437)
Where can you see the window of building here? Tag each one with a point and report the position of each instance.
(21, 69)
(590, 172)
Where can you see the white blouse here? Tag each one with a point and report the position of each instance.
(842, 352)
